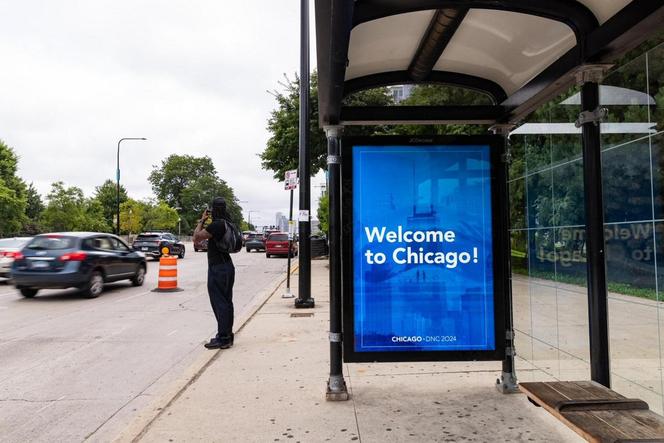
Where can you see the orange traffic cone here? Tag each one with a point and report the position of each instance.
(168, 273)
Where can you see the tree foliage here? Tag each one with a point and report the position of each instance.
(69, 210)
(190, 183)
(281, 152)
(160, 217)
(106, 195)
(12, 193)
(323, 212)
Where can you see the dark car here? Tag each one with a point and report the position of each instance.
(84, 260)
(254, 242)
(152, 244)
(277, 244)
(201, 245)
(246, 235)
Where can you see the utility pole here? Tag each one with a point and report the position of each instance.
(304, 300)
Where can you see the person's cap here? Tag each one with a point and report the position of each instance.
(219, 202)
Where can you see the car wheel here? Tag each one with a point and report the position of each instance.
(95, 286)
(267, 255)
(181, 254)
(248, 250)
(139, 277)
(195, 250)
(28, 292)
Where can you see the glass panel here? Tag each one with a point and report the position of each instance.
(626, 182)
(571, 272)
(539, 194)
(517, 167)
(655, 61)
(538, 152)
(657, 145)
(517, 189)
(625, 94)
(566, 147)
(569, 209)
(630, 259)
(632, 170)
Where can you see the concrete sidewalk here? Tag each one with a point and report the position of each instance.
(271, 387)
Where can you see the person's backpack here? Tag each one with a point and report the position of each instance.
(231, 241)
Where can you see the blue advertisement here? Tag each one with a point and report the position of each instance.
(422, 249)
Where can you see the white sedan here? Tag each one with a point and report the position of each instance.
(9, 248)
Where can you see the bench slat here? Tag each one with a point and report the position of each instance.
(597, 413)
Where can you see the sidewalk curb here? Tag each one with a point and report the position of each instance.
(141, 424)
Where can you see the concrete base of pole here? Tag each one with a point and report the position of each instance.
(304, 303)
(507, 384)
(336, 389)
(288, 294)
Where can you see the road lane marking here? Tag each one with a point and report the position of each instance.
(133, 296)
(171, 333)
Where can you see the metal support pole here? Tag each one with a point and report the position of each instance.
(507, 383)
(589, 119)
(288, 293)
(336, 385)
(117, 191)
(117, 177)
(304, 299)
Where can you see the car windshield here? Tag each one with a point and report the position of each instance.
(12, 242)
(278, 237)
(52, 242)
(150, 237)
(255, 237)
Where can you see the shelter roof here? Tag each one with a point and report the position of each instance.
(520, 53)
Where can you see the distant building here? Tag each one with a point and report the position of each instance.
(281, 222)
(400, 92)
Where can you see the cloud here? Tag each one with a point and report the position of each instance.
(191, 76)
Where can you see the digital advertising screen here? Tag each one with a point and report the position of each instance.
(422, 252)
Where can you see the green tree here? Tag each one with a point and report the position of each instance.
(324, 212)
(34, 204)
(441, 95)
(106, 195)
(33, 211)
(65, 208)
(132, 216)
(281, 151)
(161, 217)
(190, 183)
(69, 210)
(12, 193)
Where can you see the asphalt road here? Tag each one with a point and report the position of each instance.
(75, 369)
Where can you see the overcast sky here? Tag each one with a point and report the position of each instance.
(191, 76)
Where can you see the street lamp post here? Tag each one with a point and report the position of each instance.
(117, 177)
(249, 214)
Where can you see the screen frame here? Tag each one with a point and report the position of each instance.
(500, 238)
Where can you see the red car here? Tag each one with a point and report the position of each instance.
(277, 244)
(201, 245)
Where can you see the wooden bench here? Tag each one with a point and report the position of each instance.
(597, 413)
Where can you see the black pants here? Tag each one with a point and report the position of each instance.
(220, 287)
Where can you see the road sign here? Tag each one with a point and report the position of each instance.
(291, 180)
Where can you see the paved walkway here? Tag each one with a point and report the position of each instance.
(271, 387)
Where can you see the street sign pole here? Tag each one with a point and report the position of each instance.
(288, 293)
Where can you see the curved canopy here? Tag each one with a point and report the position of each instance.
(519, 52)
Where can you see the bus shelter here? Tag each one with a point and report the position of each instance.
(518, 53)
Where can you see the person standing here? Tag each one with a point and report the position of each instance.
(221, 273)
